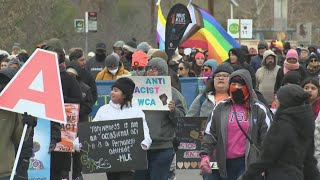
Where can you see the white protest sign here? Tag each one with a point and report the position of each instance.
(246, 28)
(152, 92)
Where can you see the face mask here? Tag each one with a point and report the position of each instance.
(100, 56)
(206, 74)
(239, 96)
(114, 71)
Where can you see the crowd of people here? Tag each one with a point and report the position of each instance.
(262, 107)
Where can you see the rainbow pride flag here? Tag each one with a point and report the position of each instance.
(204, 32)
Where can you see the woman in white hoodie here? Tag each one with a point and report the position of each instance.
(120, 107)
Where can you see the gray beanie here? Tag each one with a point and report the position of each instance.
(112, 60)
(224, 67)
(118, 44)
(159, 63)
(144, 46)
(15, 61)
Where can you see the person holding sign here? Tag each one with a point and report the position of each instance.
(11, 126)
(163, 126)
(236, 129)
(120, 107)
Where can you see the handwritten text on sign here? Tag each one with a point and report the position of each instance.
(152, 92)
(112, 146)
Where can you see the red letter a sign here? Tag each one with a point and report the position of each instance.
(36, 88)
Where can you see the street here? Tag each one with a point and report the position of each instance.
(180, 174)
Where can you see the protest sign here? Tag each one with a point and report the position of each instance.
(69, 131)
(177, 22)
(39, 167)
(152, 92)
(112, 146)
(40, 92)
(189, 135)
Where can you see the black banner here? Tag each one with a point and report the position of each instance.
(189, 135)
(112, 146)
(178, 20)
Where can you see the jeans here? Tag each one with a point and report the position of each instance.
(159, 161)
(235, 168)
(76, 165)
(22, 169)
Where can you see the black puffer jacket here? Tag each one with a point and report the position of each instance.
(287, 151)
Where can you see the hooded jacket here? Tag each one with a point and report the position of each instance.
(11, 127)
(242, 63)
(113, 111)
(312, 73)
(256, 61)
(162, 124)
(287, 151)
(266, 78)
(106, 75)
(216, 131)
(87, 99)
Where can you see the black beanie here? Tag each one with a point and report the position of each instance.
(292, 95)
(126, 85)
(292, 77)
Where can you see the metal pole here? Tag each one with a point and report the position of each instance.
(13, 172)
(86, 43)
(86, 32)
(231, 11)
(211, 6)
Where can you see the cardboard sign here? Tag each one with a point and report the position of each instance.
(189, 135)
(152, 92)
(39, 167)
(69, 131)
(112, 146)
(36, 88)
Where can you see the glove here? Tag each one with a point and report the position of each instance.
(29, 120)
(205, 164)
(77, 145)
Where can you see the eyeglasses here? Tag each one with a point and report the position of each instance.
(206, 69)
(151, 68)
(180, 68)
(137, 68)
(217, 76)
(313, 60)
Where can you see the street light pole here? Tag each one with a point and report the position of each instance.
(231, 11)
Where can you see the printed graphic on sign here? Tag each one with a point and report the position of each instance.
(39, 167)
(233, 28)
(152, 92)
(40, 92)
(69, 131)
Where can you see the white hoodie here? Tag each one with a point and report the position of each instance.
(113, 111)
